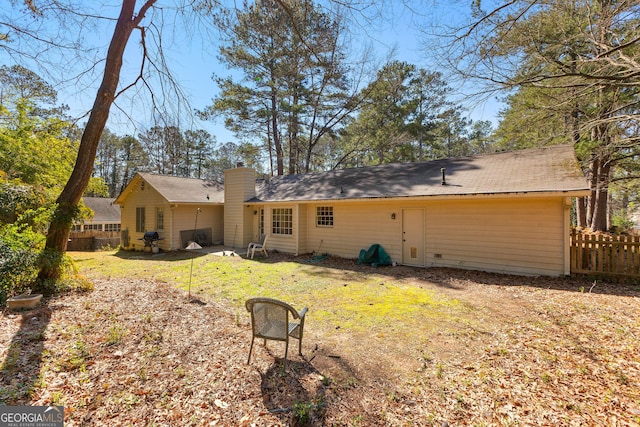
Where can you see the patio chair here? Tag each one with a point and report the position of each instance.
(260, 247)
(272, 320)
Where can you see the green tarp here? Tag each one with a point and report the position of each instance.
(375, 256)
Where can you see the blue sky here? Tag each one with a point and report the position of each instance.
(194, 61)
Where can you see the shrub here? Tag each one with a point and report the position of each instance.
(17, 199)
(18, 259)
(25, 214)
(622, 223)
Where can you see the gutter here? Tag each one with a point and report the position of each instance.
(517, 194)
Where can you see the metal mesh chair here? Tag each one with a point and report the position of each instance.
(272, 320)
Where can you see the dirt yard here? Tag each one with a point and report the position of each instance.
(532, 352)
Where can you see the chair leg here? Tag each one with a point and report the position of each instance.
(300, 345)
(286, 350)
(250, 349)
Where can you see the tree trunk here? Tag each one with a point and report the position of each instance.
(294, 140)
(276, 135)
(600, 195)
(574, 128)
(581, 212)
(56, 245)
(592, 176)
(269, 147)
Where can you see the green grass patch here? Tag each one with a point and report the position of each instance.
(336, 297)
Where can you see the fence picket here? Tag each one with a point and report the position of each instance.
(615, 258)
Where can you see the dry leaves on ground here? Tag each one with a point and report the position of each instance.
(138, 352)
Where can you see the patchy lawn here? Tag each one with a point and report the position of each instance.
(389, 346)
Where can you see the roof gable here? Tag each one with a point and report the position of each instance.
(548, 169)
(176, 189)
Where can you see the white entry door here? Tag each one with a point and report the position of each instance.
(413, 237)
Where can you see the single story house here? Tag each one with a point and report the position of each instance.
(505, 212)
(179, 209)
(106, 216)
(101, 230)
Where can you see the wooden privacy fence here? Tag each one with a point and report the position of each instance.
(93, 240)
(614, 258)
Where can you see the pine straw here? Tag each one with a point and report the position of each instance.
(138, 352)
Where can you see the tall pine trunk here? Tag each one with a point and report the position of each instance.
(581, 212)
(276, 135)
(600, 195)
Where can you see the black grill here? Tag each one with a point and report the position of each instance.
(150, 237)
(150, 240)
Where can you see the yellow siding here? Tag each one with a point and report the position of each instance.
(184, 218)
(357, 225)
(524, 236)
(148, 199)
(239, 184)
(302, 230)
(521, 235)
(176, 218)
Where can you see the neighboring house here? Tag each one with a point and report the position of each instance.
(504, 212)
(106, 216)
(102, 229)
(171, 206)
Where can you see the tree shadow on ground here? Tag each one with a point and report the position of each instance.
(180, 255)
(20, 371)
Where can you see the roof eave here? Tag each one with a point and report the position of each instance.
(492, 195)
(193, 203)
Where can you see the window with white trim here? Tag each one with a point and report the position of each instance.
(282, 221)
(324, 216)
(112, 227)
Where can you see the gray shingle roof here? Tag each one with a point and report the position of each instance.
(548, 169)
(185, 190)
(103, 209)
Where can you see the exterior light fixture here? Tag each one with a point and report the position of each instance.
(393, 215)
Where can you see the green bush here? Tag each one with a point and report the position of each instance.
(19, 251)
(16, 199)
(25, 214)
(70, 279)
(622, 223)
